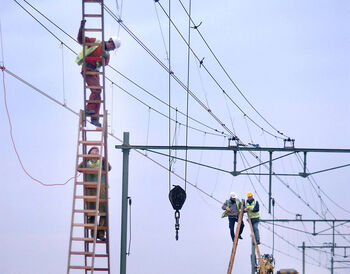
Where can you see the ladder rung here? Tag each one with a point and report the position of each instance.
(88, 129)
(88, 268)
(94, 87)
(89, 198)
(89, 254)
(92, 15)
(87, 170)
(91, 143)
(93, 72)
(80, 267)
(93, 30)
(87, 240)
(91, 226)
(89, 184)
(89, 212)
(90, 156)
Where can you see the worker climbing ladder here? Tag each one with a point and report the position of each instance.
(235, 242)
(87, 251)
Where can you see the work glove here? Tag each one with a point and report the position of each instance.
(82, 23)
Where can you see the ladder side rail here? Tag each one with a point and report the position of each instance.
(84, 61)
(97, 203)
(103, 60)
(105, 122)
(261, 265)
(235, 242)
(75, 187)
(86, 231)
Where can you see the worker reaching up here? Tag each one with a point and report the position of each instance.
(93, 109)
(232, 207)
(252, 207)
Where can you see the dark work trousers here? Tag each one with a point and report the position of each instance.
(232, 221)
(95, 95)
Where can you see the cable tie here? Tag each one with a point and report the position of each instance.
(201, 62)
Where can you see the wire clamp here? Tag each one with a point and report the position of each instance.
(2, 68)
(194, 27)
(201, 62)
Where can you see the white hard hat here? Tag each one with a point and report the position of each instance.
(116, 41)
(233, 195)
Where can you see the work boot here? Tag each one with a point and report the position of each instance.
(89, 112)
(240, 237)
(257, 242)
(95, 122)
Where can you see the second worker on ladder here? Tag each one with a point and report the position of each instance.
(232, 207)
(93, 108)
(92, 191)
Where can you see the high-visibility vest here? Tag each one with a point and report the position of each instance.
(93, 164)
(225, 213)
(250, 207)
(88, 50)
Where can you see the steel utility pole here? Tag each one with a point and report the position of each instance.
(124, 220)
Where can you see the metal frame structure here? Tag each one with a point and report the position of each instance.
(126, 147)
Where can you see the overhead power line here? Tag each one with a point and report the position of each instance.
(196, 27)
(121, 74)
(238, 140)
(214, 79)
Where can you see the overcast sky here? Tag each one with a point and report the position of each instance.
(290, 60)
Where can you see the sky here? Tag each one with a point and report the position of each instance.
(290, 60)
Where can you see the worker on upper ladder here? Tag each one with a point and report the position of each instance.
(93, 109)
(232, 207)
(252, 207)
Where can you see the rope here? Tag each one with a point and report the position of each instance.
(13, 141)
(112, 135)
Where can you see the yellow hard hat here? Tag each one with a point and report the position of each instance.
(249, 194)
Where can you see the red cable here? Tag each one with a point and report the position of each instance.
(13, 142)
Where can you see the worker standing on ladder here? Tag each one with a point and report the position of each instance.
(232, 207)
(93, 109)
(92, 191)
(252, 207)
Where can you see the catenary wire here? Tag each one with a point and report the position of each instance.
(225, 71)
(121, 74)
(213, 78)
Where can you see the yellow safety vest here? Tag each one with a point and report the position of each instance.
(88, 50)
(250, 207)
(93, 164)
(225, 213)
